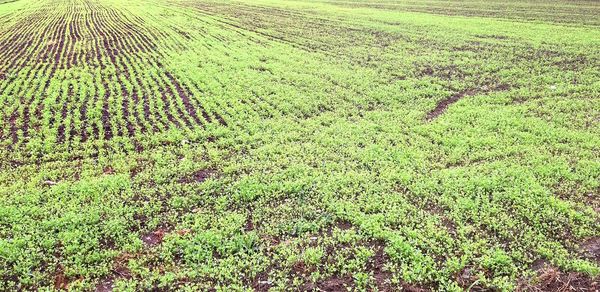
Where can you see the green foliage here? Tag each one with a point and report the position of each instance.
(297, 145)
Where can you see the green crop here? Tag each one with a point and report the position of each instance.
(299, 145)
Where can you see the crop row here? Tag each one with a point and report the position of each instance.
(87, 72)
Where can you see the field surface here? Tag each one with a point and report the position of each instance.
(286, 145)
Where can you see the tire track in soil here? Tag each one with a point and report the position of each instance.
(443, 105)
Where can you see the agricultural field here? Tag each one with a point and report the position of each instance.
(295, 145)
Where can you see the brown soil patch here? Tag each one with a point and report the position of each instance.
(261, 282)
(13, 127)
(444, 104)
(154, 238)
(591, 249)
(120, 270)
(197, 177)
(444, 72)
(125, 109)
(334, 283)
(60, 279)
(220, 119)
(338, 224)
(539, 265)
(492, 36)
(108, 170)
(467, 278)
(249, 226)
(106, 116)
(551, 279)
(105, 286)
(184, 94)
(382, 277)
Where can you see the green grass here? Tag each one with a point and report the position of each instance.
(299, 145)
